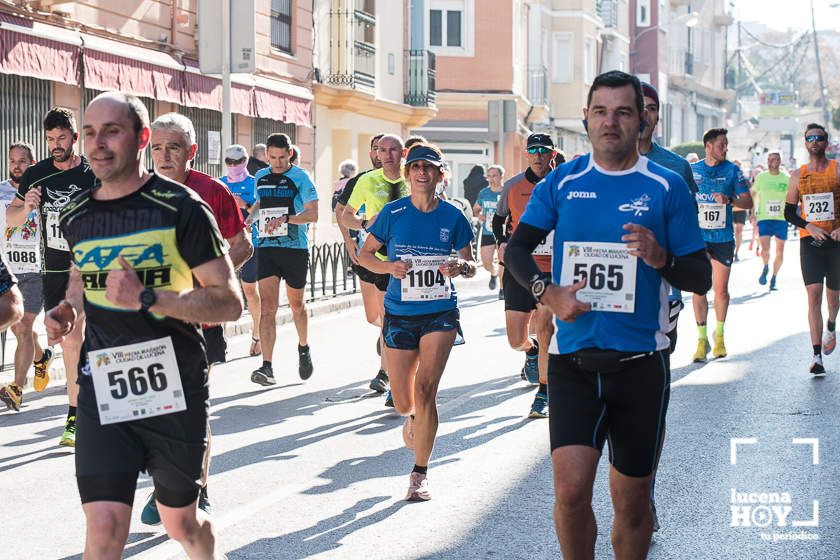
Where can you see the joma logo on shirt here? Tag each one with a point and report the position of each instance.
(581, 194)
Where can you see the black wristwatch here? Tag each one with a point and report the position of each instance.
(147, 299)
(538, 286)
(364, 224)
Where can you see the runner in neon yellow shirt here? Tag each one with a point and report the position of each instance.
(771, 189)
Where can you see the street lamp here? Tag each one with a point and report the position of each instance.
(690, 20)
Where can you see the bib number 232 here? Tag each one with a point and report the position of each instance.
(136, 381)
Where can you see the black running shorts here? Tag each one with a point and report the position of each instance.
(55, 288)
(723, 253)
(627, 407)
(291, 265)
(378, 280)
(517, 298)
(820, 262)
(487, 239)
(169, 447)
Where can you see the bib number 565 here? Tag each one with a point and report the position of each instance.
(599, 276)
(137, 381)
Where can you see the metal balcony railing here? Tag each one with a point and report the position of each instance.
(352, 49)
(689, 63)
(420, 78)
(538, 85)
(607, 10)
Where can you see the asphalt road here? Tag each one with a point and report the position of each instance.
(318, 470)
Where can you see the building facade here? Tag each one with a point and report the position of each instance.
(57, 53)
(369, 79)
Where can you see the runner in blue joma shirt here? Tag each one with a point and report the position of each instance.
(721, 185)
(625, 230)
(287, 202)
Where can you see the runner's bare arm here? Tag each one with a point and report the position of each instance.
(743, 201)
(348, 218)
(241, 248)
(11, 307)
(367, 259)
(349, 243)
(309, 214)
(217, 298)
(60, 320)
(253, 213)
(18, 210)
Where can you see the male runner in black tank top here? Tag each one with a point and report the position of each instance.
(47, 187)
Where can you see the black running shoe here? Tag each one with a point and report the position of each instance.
(204, 501)
(389, 400)
(492, 284)
(305, 368)
(380, 382)
(501, 293)
(264, 376)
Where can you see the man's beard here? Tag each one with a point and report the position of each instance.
(15, 178)
(65, 155)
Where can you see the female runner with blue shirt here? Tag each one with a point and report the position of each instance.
(421, 307)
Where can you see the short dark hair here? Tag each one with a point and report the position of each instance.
(137, 111)
(24, 146)
(412, 140)
(816, 125)
(295, 154)
(616, 79)
(59, 117)
(375, 138)
(278, 140)
(712, 134)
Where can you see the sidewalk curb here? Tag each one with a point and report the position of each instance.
(242, 326)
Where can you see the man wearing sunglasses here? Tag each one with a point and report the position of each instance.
(520, 306)
(721, 185)
(816, 188)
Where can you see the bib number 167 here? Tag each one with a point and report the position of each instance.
(599, 276)
(137, 381)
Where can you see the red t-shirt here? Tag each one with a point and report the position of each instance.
(220, 200)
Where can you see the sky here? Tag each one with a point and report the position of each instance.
(781, 15)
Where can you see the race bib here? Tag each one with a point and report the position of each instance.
(136, 381)
(818, 207)
(54, 238)
(23, 257)
(773, 208)
(424, 282)
(546, 246)
(269, 219)
(610, 273)
(711, 215)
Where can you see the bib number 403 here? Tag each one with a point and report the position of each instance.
(137, 381)
(599, 276)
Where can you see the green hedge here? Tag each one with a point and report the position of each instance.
(688, 147)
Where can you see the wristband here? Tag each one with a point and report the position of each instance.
(364, 224)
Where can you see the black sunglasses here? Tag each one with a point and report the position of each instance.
(815, 138)
(539, 150)
(229, 161)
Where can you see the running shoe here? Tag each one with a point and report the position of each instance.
(540, 407)
(305, 368)
(829, 341)
(204, 501)
(501, 293)
(408, 431)
(817, 368)
(380, 382)
(703, 348)
(772, 283)
(656, 525)
(264, 376)
(763, 278)
(389, 400)
(492, 284)
(42, 371)
(12, 396)
(719, 350)
(68, 438)
(532, 369)
(150, 514)
(418, 488)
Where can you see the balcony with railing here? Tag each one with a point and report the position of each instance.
(607, 10)
(681, 62)
(352, 46)
(420, 78)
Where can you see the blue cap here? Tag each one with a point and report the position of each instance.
(423, 153)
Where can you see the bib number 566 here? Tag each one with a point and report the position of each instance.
(599, 276)
(137, 381)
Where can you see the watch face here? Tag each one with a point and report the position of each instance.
(147, 297)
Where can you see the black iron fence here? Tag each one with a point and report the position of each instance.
(329, 271)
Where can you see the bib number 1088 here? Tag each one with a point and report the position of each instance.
(599, 276)
(137, 381)
(424, 278)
